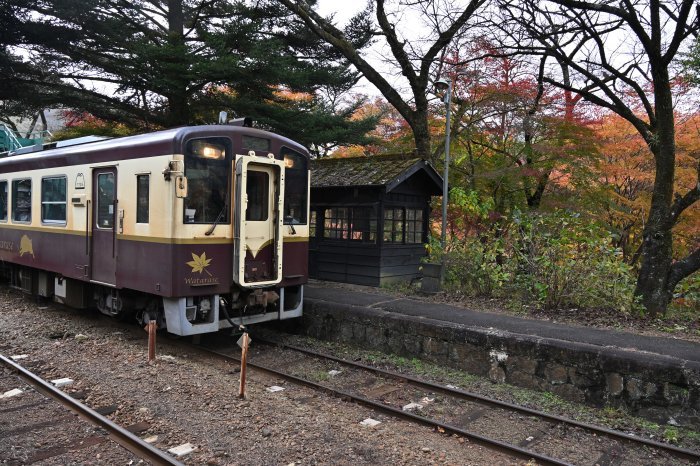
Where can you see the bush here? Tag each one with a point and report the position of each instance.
(472, 266)
(561, 260)
(552, 260)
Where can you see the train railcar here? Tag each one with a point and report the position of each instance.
(200, 228)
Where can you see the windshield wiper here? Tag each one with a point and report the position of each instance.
(218, 219)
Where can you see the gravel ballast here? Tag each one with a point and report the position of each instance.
(187, 398)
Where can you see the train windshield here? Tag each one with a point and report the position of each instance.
(295, 187)
(207, 167)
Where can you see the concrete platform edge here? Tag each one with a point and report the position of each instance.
(658, 387)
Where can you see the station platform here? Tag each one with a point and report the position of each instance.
(657, 377)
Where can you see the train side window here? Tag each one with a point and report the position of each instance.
(3, 201)
(295, 187)
(142, 198)
(257, 191)
(53, 199)
(22, 200)
(105, 200)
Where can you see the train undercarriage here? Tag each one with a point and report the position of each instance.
(189, 315)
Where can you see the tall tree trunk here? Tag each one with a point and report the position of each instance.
(418, 122)
(657, 241)
(178, 109)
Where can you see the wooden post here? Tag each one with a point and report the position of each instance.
(151, 327)
(244, 357)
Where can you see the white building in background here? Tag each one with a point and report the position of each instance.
(54, 122)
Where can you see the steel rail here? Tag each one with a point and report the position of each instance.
(680, 452)
(480, 439)
(122, 436)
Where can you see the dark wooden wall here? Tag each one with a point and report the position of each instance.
(373, 264)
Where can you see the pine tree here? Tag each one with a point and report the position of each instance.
(165, 63)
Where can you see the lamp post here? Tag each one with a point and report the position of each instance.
(443, 88)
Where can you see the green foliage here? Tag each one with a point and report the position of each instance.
(552, 260)
(687, 296)
(152, 65)
(471, 266)
(692, 63)
(563, 260)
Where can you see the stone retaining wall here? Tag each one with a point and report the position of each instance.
(659, 388)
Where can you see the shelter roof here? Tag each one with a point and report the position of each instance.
(377, 170)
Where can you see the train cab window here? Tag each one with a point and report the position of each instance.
(3, 201)
(295, 187)
(257, 191)
(105, 200)
(207, 168)
(22, 200)
(142, 199)
(53, 199)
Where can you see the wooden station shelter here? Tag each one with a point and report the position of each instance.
(369, 218)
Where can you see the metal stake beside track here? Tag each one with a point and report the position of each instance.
(485, 441)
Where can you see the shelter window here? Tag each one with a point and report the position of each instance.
(393, 225)
(312, 224)
(351, 223)
(53, 199)
(363, 225)
(207, 168)
(142, 198)
(296, 187)
(335, 223)
(22, 200)
(3, 201)
(414, 226)
(258, 191)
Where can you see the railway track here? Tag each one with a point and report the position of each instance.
(48, 426)
(518, 431)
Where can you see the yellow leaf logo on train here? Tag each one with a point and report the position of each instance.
(25, 246)
(200, 263)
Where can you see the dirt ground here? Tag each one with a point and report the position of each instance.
(187, 399)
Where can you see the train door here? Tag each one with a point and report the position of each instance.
(104, 241)
(259, 194)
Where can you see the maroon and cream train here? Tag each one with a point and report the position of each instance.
(197, 227)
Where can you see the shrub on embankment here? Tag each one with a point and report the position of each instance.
(553, 260)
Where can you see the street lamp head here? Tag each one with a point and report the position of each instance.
(441, 86)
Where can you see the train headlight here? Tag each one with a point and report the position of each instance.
(208, 151)
(288, 162)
